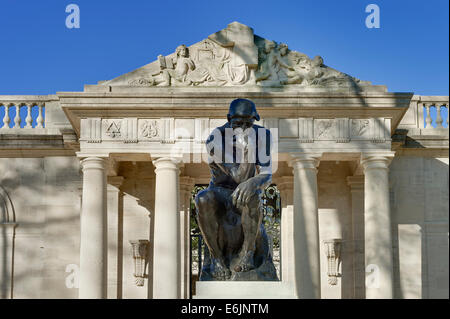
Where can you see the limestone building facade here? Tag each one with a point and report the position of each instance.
(96, 186)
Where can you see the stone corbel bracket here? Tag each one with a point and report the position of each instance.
(333, 253)
(140, 258)
(70, 139)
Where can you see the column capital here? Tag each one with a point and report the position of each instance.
(304, 160)
(93, 163)
(167, 163)
(83, 155)
(371, 160)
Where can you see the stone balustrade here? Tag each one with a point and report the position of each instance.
(424, 125)
(23, 115)
(34, 125)
(31, 115)
(439, 114)
(427, 115)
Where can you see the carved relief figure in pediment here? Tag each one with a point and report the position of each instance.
(227, 57)
(239, 54)
(321, 74)
(280, 66)
(174, 71)
(271, 64)
(236, 56)
(209, 59)
(305, 69)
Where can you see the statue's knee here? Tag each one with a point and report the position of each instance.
(254, 200)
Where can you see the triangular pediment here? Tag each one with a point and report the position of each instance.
(235, 56)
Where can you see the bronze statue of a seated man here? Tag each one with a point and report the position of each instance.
(230, 209)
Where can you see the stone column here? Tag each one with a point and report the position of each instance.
(186, 186)
(166, 254)
(377, 226)
(115, 236)
(306, 226)
(285, 185)
(94, 243)
(356, 184)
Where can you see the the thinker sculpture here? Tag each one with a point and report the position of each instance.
(230, 210)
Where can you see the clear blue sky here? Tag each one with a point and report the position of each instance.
(39, 55)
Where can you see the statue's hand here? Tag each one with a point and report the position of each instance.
(242, 194)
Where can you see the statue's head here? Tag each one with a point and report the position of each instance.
(283, 48)
(269, 45)
(181, 51)
(317, 61)
(242, 113)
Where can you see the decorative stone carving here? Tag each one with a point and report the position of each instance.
(360, 127)
(113, 128)
(280, 66)
(324, 129)
(333, 253)
(142, 82)
(140, 248)
(272, 67)
(174, 71)
(235, 56)
(239, 54)
(149, 129)
(216, 61)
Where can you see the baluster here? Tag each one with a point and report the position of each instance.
(40, 118)
(29, 119)
(428, 118)
(448, 115)
(439, 119)
(420, 115)
(17, 118)
(6, 119)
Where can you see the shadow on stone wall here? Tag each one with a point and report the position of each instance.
(419, 203)
(47, 235)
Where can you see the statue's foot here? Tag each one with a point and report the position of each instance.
(246, 263)
(220, 270)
